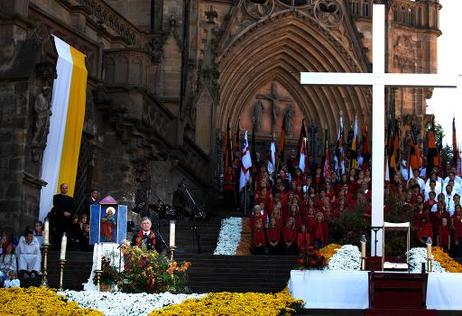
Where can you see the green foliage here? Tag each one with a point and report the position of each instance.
(349, 226)
(151, 272)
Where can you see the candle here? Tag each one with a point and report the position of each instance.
(98, 257)
(62, 255)
(172, 233)
(429, 248)
(363, 252)
(46, 233)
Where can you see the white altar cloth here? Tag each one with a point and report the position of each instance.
(330, 289)
(349, 290)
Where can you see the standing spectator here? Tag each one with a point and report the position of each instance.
(38, 231)
(29, 255)
(63, 210)
(290, 237)
(93, 199)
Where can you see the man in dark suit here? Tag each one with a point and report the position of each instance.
(148, 238)
(63, 210)
(93, 199)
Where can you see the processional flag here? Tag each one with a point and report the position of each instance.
(228, 152)
(365, 147)
(282, 142)
(246, 163)
(354, 145)
(272, 161)
(433, 157)
(302, 150)
(326, 168)
(414, 157)
(455, 149)
(339, 150)
(61, 155)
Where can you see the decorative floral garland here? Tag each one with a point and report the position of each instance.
(328, 251)
(39, 301)
(347, 258)
(449, 264)
(417, 256)
(230, 236)
(123, 304)
(226, 303)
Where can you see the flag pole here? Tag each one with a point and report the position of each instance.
(245, 200)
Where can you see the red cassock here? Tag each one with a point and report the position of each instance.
(457, 220)
(321, 232)
(303, 241)
(310, 224)
(258, 238)
(289, 234)
(274, 234)
(443, 236)
(438, 216)
(424, 231)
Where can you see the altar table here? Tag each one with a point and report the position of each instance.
(349, 290)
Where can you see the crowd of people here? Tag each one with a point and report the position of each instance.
(293, 210)
(21, 257)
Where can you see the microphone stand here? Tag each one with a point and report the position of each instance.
(195, 227)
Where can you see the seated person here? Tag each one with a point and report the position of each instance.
(146, 238)
(29, 255)
(258, 238)
(7, 261)
(11, 281)
(38, 232)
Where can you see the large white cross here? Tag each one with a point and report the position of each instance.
(378, 79)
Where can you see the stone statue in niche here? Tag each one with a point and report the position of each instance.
(289, 115)
(257, 115)
(42, 113)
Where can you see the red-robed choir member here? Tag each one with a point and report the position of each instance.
(444, 235)
(290, 236)
(303, 240)
(274, 237)
(321, 231)
(424, 231)
(258, 238)
(457, 224)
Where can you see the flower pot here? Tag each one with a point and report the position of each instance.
(105, 287)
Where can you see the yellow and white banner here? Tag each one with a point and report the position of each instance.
(61, 156)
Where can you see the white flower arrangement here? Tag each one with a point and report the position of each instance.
(417, 256)
(347, 258)
(124, 304)
(230, 236)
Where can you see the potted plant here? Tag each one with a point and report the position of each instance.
(109, 275)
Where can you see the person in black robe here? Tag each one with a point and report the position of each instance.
(62, 212)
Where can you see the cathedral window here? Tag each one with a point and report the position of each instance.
(365, 9)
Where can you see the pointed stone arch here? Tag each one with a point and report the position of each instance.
(279, 48)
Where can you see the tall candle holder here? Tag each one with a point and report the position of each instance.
(98, 280)
(61, 264)
(172, 251)
(44, 282)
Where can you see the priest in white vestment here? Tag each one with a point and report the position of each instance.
(28, 254)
